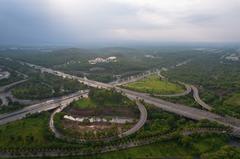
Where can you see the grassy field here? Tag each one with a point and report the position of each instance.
(153, 84)
(14, 77)
(84, 103)
(170, 149)
(30, 90)
(43, 85)
(203, 145)
(12, 106)
(31, 132)
(99, 98)
(233, 100)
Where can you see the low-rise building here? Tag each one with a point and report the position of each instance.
(102, 60)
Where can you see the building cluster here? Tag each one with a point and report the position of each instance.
(102, 60)
(149, 56)
(4, 74)
(233, 57)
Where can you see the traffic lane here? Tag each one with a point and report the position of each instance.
(188, 112)
(37, 109)
(198, 99)
(4, 88)
(140, 123)
(33, 111)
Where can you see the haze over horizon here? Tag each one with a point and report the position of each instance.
(116, 22)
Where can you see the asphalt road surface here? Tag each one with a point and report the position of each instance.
(181, 110)
(59, 109)
(40, 107)
(4, 88)
(140, 123)
(142, 120)
(198, 99)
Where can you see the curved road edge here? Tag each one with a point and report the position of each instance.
(198, 99)
(40, 107)
(140, 123)
(52, 127)
(186, 92)
(142, 120)
(4, 88)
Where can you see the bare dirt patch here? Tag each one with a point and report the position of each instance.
(94, 130)
(107, 111)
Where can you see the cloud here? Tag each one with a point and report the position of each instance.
(80, 21)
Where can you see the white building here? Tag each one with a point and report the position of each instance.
(233, 57)
(102, 60)
(4, 74)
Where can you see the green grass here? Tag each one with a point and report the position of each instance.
(157, 150)
(209, 143)
(99, 98)
(31, 132)
(153, 84)
(30, 90)
(84, 103)
(171, 149)
(12, 106)
(233, 100)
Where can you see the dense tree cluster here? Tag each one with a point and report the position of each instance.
(14, 77)
(216, 78)
(109, 97)
(12, 106)
(46, 85)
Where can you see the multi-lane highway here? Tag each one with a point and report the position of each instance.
(43, 106)
(182, 110)
(3, 89)
(142, 120)
(59, 109)
(188, 89)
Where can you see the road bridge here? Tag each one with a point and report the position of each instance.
(40, 107)
(198, 99)
(182, 110)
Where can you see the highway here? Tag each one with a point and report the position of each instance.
(3, 99)
(8, 94)
(4, 88)
(4, 75)
(40, 107)
(142, 120)
(198, 99)
(182, 110)
(188, 90)
(59, 109)
(189, 112)
(131, 79)
(140, 123)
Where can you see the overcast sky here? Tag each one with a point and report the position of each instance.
(116, 21)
